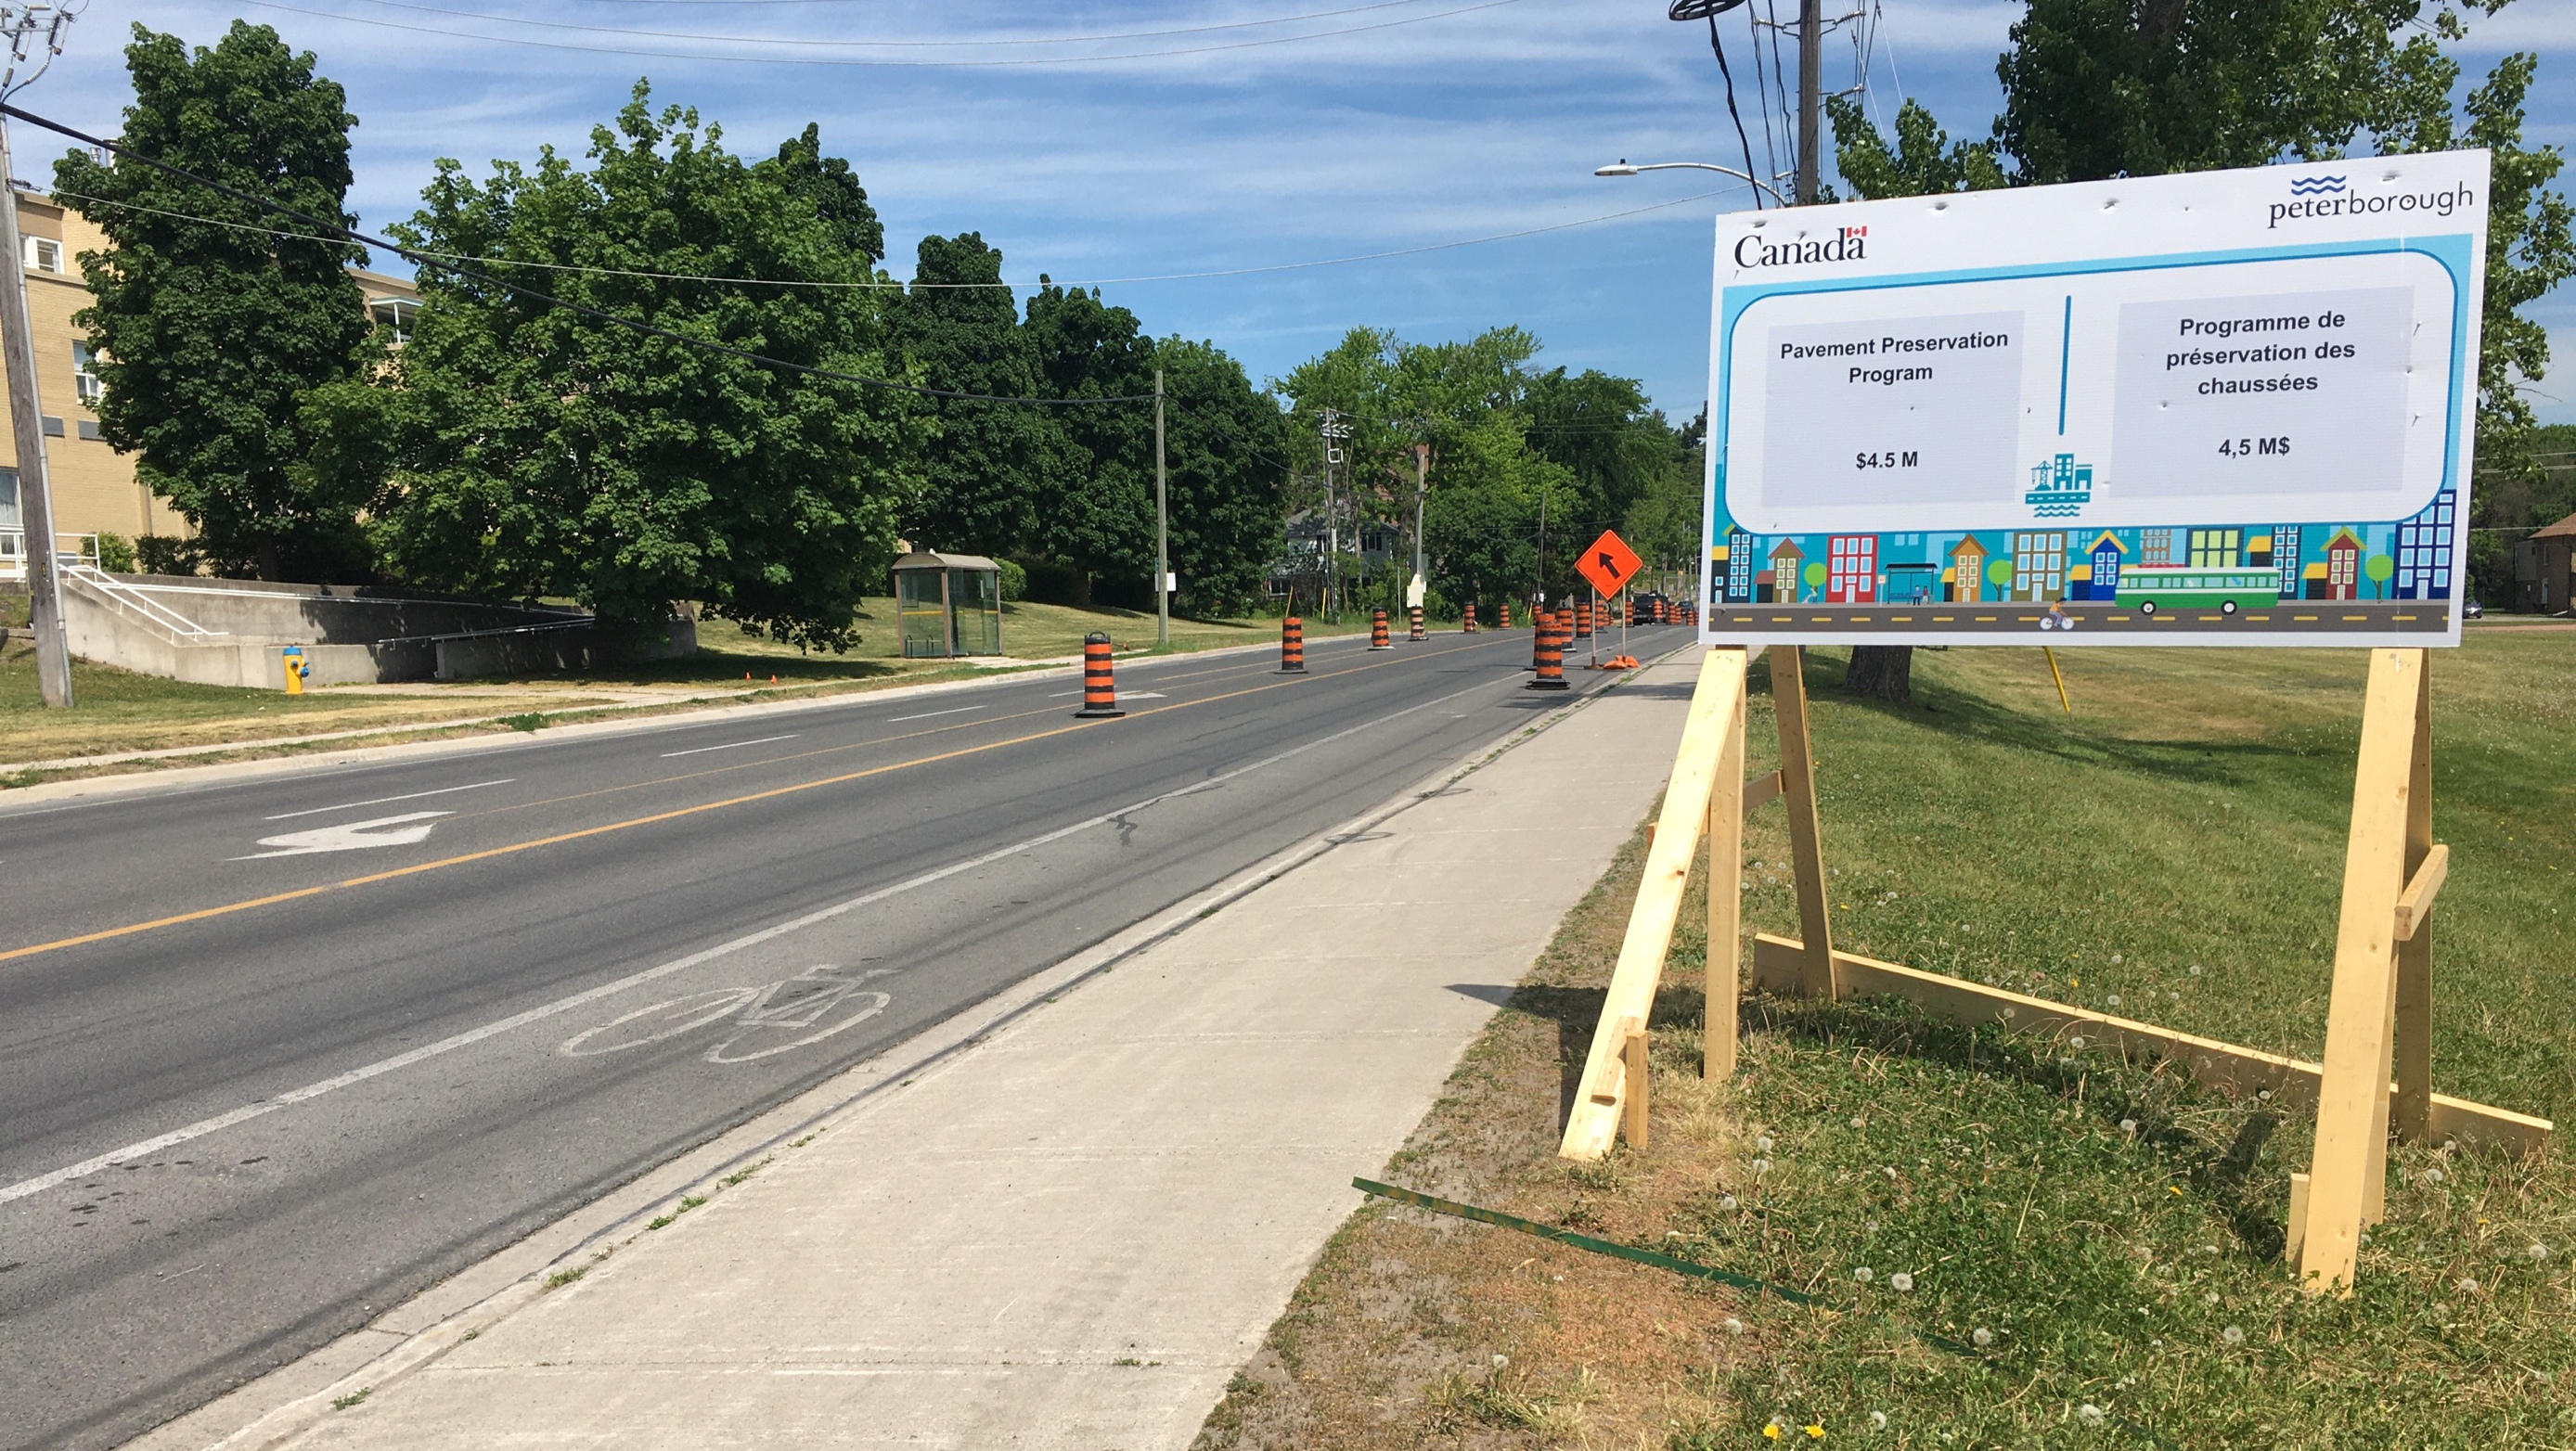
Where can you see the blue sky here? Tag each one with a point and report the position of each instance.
(1209, 136)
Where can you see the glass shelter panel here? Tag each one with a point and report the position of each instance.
(924, 614)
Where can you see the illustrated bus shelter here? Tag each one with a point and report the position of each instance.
(949, 605)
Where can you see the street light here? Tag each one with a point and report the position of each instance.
(1623, 167)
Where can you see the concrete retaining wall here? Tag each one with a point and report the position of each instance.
(250, 624)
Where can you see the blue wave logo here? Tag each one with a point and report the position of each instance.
(2314, 185)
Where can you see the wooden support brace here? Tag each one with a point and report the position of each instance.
(1806, 846)
(1761, 791)
(1779, 964)
(2415, 904)
(2348, 1173)
(1726, 811)
(1593, 1122)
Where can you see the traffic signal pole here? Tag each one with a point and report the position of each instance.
(27, 425)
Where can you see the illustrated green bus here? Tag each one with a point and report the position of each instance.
(2151, 588)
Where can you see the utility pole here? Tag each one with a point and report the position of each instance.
(1421, 482)
(1334, 432)
(1162, 529)
(1811, 63)
(26, 408)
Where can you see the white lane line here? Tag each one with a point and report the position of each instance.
(729, 745)
(927, 714)
(471, 1036)
(382, 800)
(1122, 695)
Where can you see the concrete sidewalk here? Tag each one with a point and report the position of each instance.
(1072, 1234)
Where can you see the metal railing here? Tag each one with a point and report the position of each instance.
(69, 550)
(125, 599)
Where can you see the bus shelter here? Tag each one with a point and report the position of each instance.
(948, 605)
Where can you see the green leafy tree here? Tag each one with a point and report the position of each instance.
(209, 337)
(1095, 509)
(543, 452)
(831, 188)
(959, 329)
(1224, 443)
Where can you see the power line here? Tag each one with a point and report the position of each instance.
(889, 284)
(582, 309)
(976, 41)
(815, 60)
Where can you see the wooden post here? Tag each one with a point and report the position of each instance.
(1594, 1120)
(1806, 850)
(2414, 1026)
(1725, 900)
(1633, 1044)
(2352, 1098)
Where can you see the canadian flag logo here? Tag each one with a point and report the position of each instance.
(1855, 231)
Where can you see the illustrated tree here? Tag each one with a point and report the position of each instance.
(2379, 567)
(538, 450)
(209, 327)
(1999, 573)
(2094, 89)
(1814, 574)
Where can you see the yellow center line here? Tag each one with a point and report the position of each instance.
(513, 848)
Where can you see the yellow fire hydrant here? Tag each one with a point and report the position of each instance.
(296, 669)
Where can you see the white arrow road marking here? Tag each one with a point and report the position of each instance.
(349, 836)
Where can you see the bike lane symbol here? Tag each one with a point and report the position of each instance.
(769, 1019)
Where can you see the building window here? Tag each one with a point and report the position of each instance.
(85, 382)
(394, 314)
(2216, 548)
(8, 499)
(44, 254)
(2158, 547)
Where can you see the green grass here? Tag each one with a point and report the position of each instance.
(2176, 843)
(118, 710)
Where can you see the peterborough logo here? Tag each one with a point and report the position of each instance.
(2315, 185)
(1847, 244)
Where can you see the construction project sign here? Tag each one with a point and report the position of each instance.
(2228, 408)
(1609, 563)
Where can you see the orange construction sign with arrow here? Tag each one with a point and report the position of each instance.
(1610, 563)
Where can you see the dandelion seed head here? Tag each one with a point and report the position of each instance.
(2432, 1176)
(2195, 969)
(1726, 1202)
(2538, 1253)
(2232, 1335)
(1501, 1359)
(1857, 1121)
(2076, 1043)
(2467, 1286)
(2211, 1297)
(1878, 1420)
(1864, 1274)
(1762, 1166)
(2128, 1126)
(1761, 1143)
(2115, 959)
(2089, 1413)
(2112, 1001)
(1900, 1282)
(1982, 1337)
(1734, 1326)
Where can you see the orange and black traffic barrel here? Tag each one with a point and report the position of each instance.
(1469, 627)
(1377, 631)
(1507, 615)
(1099, 693)
(1550, 650)
(1583, 619)
(1292, 646)
(1416, 633)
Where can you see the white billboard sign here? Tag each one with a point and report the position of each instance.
(2223, 408)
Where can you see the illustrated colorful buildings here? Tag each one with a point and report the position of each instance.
(2403, 560)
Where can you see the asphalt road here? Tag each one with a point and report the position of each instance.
(277, 1055)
